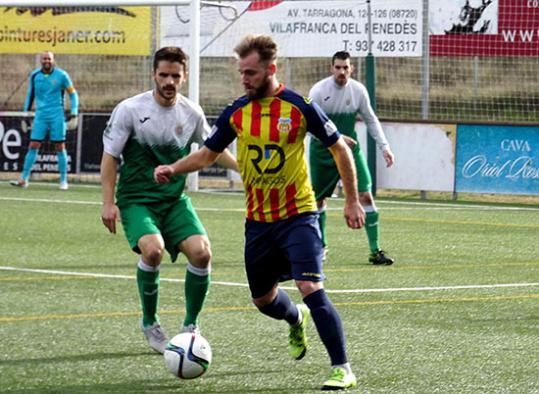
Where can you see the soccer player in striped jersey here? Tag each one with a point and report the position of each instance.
(46, 88)
(281, 229)
(342, 98)
(151, 128)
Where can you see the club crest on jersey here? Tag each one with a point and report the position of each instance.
(284, 125)
(178, 129)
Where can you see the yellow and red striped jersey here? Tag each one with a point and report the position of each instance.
(271, 151)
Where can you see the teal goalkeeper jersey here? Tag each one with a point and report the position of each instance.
(47, 92)
(145, 134)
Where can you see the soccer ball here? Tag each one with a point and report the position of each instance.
(188, 355)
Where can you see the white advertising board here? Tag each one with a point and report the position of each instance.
(424, 156)
(301, 28)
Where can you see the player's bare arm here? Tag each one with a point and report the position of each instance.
(110, 213)
(353, 211)
(227, 160)
(193, 162)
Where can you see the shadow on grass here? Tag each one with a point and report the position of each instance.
(214, 384)
(72, 358)
(143, 387)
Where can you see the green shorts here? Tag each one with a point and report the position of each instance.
(324, 173)
(175, 221)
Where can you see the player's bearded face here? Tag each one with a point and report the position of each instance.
(168, 79)
(341, 70)
(47, 61)
(258, 92)
(255, 76)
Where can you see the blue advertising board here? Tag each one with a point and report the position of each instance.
(497, 159)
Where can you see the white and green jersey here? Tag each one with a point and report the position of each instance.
(145, 134)
(343, 103)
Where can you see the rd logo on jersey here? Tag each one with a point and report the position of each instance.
(273, 162)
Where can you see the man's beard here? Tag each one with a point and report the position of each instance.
(163, 93)
(259, 92)
(341, 81)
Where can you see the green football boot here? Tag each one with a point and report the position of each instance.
(339, 380)
(297, 338)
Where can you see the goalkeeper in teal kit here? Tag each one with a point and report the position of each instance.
(342, 98)
(47, 86)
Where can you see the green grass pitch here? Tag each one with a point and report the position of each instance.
(458, 312)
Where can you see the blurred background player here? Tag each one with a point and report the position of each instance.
(152, 128)
(342, 98)
(282, 238)
(46, 87)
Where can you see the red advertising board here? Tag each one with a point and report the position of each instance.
(484, 28)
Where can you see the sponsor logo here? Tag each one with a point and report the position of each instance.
(311, 274)
(265, 115)
(266, 155)
(144, 119)
(55, 11)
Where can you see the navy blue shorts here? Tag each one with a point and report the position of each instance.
(283, 250)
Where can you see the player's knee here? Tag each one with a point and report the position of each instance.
(201, 258)
(197, 249)
(266, 299)
(34, 145)
(306, 287)
(60, 147)
(153, 255)
(262, 301)
(152, 248)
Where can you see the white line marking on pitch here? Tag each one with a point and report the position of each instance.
(411, 205)
(386, 290)
(79, 202)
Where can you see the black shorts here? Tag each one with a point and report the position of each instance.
(283, 250)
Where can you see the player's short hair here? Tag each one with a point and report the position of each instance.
(341, 55)
(262, 44)
(171, 54)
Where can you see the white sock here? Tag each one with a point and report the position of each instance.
(346, 367)
(148, 268)
(300, 316)
(198, 271)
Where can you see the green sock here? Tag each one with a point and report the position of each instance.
(148, 287)
(322, 224)
(196, 290)
(373, 230)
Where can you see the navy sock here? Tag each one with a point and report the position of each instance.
(281, 308)
(329, 325)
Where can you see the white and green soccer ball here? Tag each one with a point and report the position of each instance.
(188, 355)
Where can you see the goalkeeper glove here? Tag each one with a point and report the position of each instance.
(26, 122)
(72, 122)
